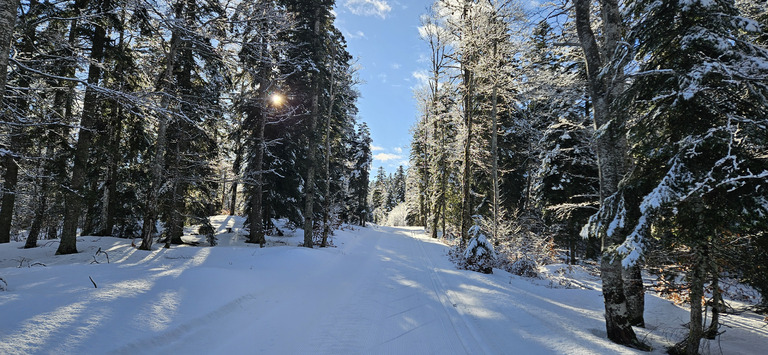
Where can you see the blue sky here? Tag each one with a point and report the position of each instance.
(383, 36)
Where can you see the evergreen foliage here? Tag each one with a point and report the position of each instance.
(152, 112)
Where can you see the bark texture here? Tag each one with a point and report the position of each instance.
(158, 164)
(605, 84)
(7, 24)
(256, 231)
(88, 125)
(309, 183)
(466, 203)
(327, 193)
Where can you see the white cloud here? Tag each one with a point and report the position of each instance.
(421, 76)
(356, 35)
(396, 66)
(368, 7)
(383, 78)
(376, 148)
(386, 157)
(398, 150)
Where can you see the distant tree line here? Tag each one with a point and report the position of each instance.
(632, 135)
(387, 192)
(117, 115)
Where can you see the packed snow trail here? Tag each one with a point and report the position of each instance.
(381, 290)
(374, 294)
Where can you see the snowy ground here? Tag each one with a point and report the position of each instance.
(381, 290)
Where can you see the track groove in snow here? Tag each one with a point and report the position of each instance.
(460, 325)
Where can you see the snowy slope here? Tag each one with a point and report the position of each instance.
(382, 290)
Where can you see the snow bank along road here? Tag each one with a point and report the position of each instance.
(381, 291)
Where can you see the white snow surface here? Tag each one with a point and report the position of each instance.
(381, 290)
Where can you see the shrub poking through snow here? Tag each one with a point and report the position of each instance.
(524, 267)
(207, 230)
(479, 255)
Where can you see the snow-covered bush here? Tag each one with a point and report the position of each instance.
(398, 217)
(479, 255)
(524, 267)
(207, 230)
(523, 245)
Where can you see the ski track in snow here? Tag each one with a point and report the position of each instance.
(383, 290)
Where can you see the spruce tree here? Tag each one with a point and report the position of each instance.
(698, 134)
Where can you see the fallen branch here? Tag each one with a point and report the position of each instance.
(28, 261)
(93, 282)
(97, 253)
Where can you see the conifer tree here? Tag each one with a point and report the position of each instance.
(358, 184)
(697, 133)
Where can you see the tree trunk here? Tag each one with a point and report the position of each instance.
(635, 293)
(236, 166)
(423, 196)
(309, 183)
(109, 199)
(717, 303)
(150, 217)
(327, 194)
(611, 150)
(466, 203)
(690, 345)
(175, 229)
(7, 24)
(41, 206)
(89, 205)
(11, 179)
(37, 221)
(256, 233)
(495, 152)
(88, 123)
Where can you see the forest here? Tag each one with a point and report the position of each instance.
(631, 134)
(118, 114)
(626, 134)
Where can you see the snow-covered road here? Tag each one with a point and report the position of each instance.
(382, 290)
